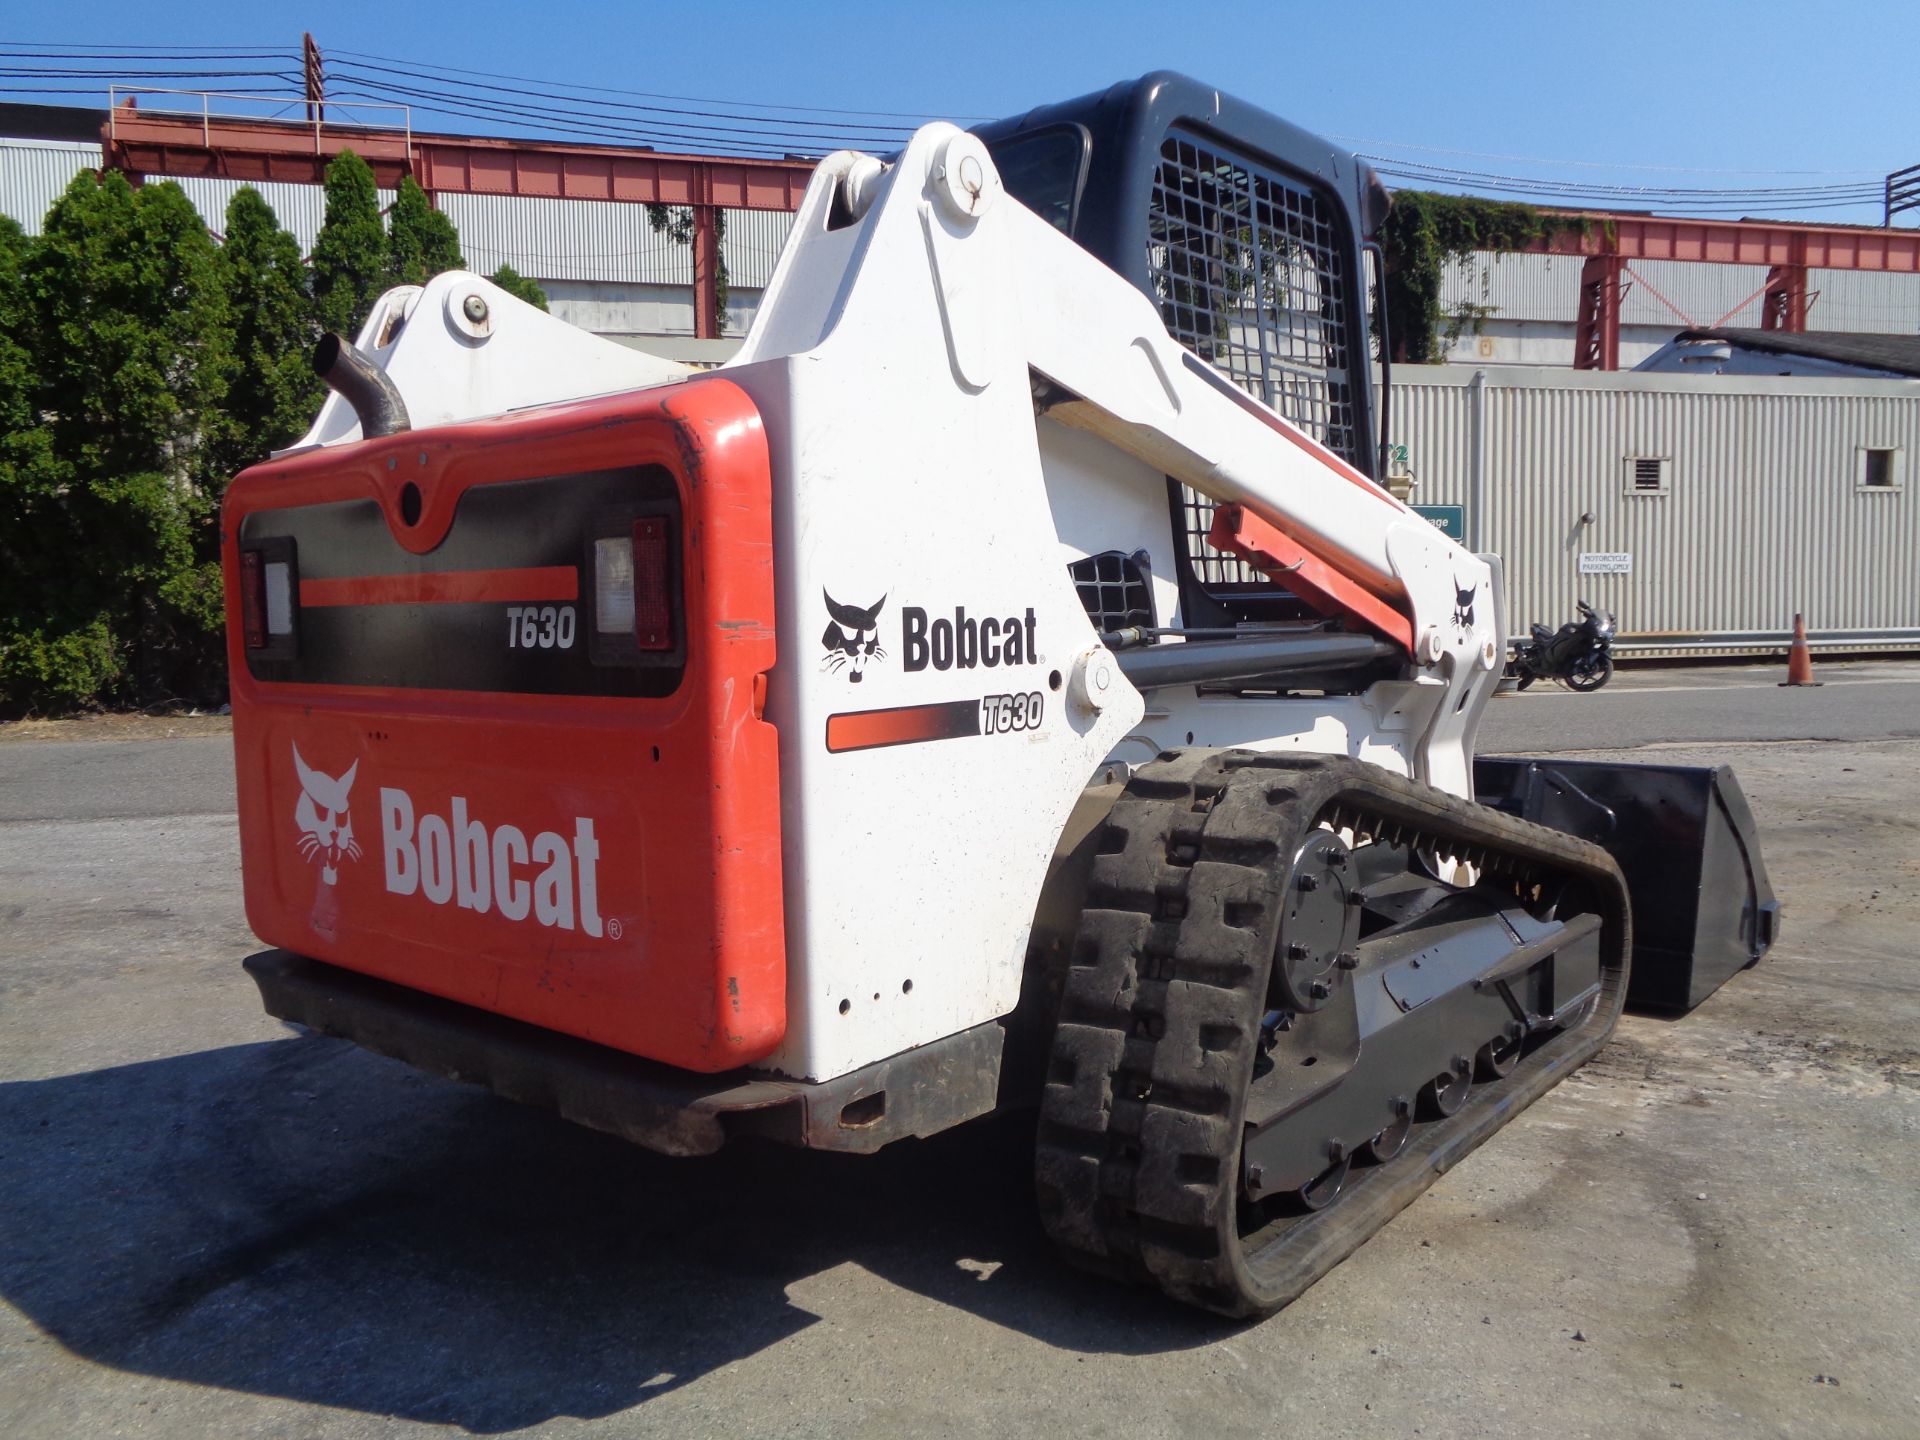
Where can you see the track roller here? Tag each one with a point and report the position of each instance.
(1446, 1092)
(1495, 1059)
(1393, 1139)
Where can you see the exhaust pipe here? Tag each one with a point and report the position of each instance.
(363, 385)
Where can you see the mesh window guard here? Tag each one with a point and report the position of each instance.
(1250, 273)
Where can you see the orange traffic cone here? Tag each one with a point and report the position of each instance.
(1799, 657)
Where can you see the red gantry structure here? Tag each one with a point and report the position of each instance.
(149, 142)
(1788, 250)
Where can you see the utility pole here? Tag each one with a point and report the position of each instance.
(316, 78)
(1903, 192)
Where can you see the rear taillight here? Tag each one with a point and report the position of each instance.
(652, 590)
(633, 584)
(253, 600)
(266, 597)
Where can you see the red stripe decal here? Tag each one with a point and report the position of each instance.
(907, 725)
(446, 587)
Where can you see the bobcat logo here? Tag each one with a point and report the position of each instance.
(1463, 605)
(852, 637)
(326, 829)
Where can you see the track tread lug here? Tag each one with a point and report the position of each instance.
(1138, 1150)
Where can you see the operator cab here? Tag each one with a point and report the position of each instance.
(1248, 233)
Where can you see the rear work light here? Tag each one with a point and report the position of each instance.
(266, 599)
(633, 584)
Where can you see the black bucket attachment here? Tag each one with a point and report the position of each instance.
(1685, 839)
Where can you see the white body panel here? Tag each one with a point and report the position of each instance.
(453, 367)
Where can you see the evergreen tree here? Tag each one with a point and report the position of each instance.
(25, 447)
(350, 255)
(519, 286)
(126, 328)
(421, 241)
(274, 394)
(50, 654)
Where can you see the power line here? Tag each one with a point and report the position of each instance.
(744, 127)
(650, 95)
(119, 75)
(552, 111)
(590, 122)
(530, 119)
(1585, 164)
(1691, 200)
(143, 59)
(353, 68)
(1451, 173)
(69, 45)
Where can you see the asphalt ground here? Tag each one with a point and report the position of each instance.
(211, 1224)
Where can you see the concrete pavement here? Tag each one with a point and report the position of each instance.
(212, 1225)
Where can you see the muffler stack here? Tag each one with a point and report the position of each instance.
(363, 385)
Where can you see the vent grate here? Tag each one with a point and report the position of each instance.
(1249, 270)
(1649, 474)
(1113, 589)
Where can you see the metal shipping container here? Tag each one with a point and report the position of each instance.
(1703, 510)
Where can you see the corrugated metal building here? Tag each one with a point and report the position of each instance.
(1524, 305)
(1722, 505)
(601, 264)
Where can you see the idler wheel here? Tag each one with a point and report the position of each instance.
(1446, 1092)
(1392, 1140)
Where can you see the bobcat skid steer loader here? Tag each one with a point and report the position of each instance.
(1003, 684)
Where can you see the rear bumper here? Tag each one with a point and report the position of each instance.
(677, 1112)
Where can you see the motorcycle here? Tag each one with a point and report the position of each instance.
(1579, 654)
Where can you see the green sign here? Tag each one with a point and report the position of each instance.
(1449, 520)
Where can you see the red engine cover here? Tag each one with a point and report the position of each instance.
(451, 778)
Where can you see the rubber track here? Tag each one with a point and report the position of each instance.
(1137, 1157)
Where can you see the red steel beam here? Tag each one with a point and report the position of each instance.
(143, 142)
(1785, 305)
(706, 271)
(1596, 331)
(584, 172)
(1740, 242)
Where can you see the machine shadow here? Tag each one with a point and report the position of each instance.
(300, 1219)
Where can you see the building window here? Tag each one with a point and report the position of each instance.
(1877, 469)
(1646, 475)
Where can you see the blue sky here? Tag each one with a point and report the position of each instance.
(1690, 93)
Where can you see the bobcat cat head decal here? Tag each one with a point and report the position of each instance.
(326, 829)
(852, 637)
(1463, 604)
